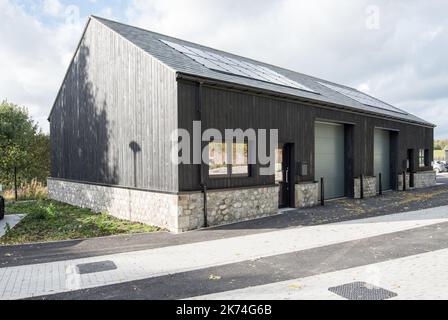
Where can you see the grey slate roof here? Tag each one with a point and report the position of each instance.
(150, 42)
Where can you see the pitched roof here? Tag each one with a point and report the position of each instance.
(153, 43)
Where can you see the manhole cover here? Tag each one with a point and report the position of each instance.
(96, 267)
(362, 291)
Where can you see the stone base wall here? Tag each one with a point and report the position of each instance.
(307, 194)
(369, 187)
(400, 182)
(175, 212)
(242, 204)
(424, 179)
(158, 209)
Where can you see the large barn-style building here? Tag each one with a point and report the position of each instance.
(127, 90)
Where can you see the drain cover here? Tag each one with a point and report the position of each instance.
(96, 267)
(362, 291)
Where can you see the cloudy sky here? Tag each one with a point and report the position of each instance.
(395, 50)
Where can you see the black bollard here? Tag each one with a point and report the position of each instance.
(361, 187)
(322, 192)
(404, 180)
(381, 184)
(204, 191)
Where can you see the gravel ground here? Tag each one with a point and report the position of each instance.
(388, 203)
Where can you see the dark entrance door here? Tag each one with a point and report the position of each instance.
(410, 167)
(284, 175)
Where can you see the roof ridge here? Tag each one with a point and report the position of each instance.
(207, 47)
(313, 82)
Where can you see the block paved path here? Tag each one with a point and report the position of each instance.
(221, 266)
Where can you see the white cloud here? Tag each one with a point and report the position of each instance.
(33, 59)
(106, 13)
(403, 61)
(52, 7)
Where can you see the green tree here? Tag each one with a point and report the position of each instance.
(39, 166)
(24, 150)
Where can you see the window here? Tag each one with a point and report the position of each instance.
(278, 165)
(240, 163)
(422, 158)
(228, 159)
(217, 159)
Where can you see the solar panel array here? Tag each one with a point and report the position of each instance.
(230, 65)
(362, 98)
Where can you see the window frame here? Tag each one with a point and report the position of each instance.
(217, 176)
(422, 158)
(229, 172)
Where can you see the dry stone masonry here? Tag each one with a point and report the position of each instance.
(424, 179)
(307, 194)
(242, 204)
(185, 211)
(400, 181)
(175, 212)
(158, 209)
(369, 187)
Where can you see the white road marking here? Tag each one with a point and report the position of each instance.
(55, 277)
(418, 277)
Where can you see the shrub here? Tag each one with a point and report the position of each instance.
(34, 190)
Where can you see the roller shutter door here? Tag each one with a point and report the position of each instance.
(382, 157)
(329, 158)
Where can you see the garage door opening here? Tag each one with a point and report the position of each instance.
(382, 158)
(329, 158)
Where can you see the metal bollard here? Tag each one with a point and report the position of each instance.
(361, 187)
(204, 191)
(404, 180)
(381, 183)
(322, 192)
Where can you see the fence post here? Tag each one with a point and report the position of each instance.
(2, 208)
(16, 197)
(322, 192)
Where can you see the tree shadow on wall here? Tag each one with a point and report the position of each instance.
(82, 130)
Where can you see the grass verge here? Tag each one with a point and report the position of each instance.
(49, 220)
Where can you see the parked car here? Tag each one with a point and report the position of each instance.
(439, 166)
(445, 164)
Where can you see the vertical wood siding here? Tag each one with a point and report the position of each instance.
(231, 109)
(114, 115)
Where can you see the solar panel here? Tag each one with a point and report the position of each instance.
(362, 98)
(237, 67)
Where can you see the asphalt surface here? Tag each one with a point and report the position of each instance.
(442, 178)
(334, 211)
(273, 268)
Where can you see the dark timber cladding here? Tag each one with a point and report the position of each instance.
(112, 120)
(229, 108)
(126, 91)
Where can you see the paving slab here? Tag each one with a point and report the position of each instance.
(10, 220)
(334, 211)
(64, 276)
